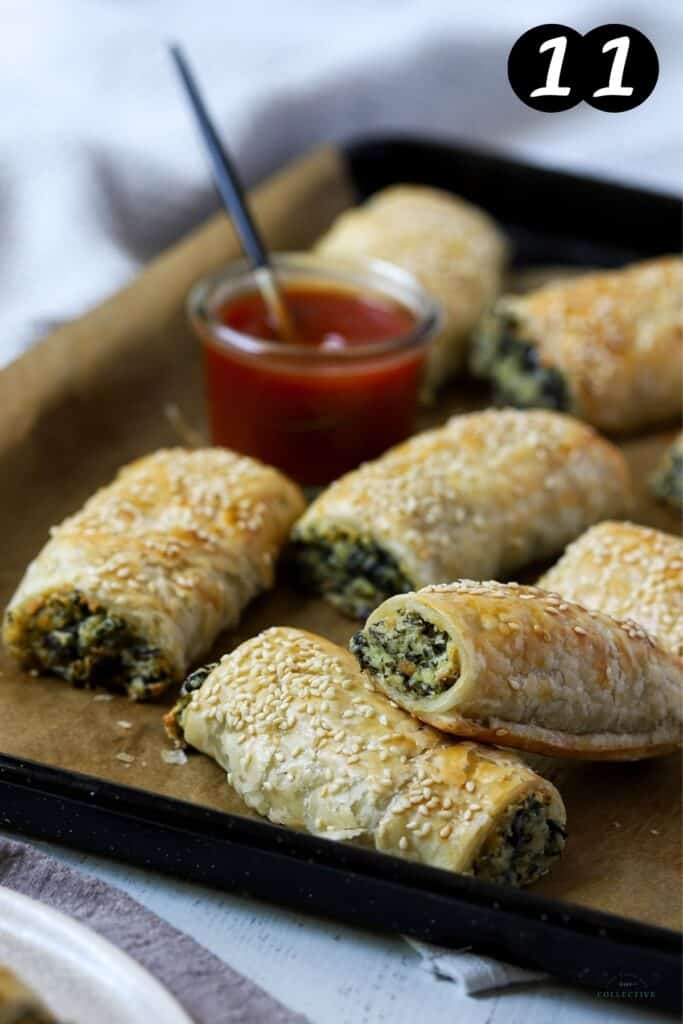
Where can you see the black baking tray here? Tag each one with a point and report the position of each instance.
(552, 218)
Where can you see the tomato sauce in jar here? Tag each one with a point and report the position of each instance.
(344, 392)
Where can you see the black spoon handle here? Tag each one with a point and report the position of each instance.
(225, 176)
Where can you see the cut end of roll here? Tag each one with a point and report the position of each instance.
(667, 483)
(353, 572)
(408, 655)
(502, 354)
(525, 845)
(82, 642)
(173, 721)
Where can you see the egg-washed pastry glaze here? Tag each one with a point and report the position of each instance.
(628, 572)
(667, 481)
(132, 589)
(606, 346)
(522, 667)
(308, 743)
(479, 497)
(453, 248)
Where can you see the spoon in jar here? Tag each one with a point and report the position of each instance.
(232, 195)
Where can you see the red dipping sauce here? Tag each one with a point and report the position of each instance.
(344, 392)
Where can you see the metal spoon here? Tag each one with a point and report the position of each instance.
(232, 195)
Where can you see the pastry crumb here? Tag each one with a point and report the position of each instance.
(126, 758)
(176, 756)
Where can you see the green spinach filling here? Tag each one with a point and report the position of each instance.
(524, 847)
(511, 363)
(88, 646)
(353, 573)
(668, 481)
(411, 656)
(174, 719)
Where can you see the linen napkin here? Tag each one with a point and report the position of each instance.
(209, 990)
(472, 974)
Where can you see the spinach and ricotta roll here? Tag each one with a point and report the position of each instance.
(667, 482)
(522, 667)
(307, 742)
(478, 498)
(628, 572)
(606, 346)
(135, 587)
(453, 248)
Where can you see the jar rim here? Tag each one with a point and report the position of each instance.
(363, 274)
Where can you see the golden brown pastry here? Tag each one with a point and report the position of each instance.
(522, 667)
(667, 482)
(132, 589)
(478, 498)
(628, 572)
(607, 347)
(453, 248)
(307, 742)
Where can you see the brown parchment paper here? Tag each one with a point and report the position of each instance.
(92, 396)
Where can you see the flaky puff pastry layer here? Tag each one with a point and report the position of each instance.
(528, 669)
(628, 572)
(479, 497)
(176, 546)
(453, 248)
(617, 339)
(307, 742)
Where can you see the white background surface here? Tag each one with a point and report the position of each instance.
(336, 975)
(99, 170)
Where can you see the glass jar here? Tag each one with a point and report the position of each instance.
(315, 410)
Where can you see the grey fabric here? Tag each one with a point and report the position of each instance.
(209, 990)
(100, 164)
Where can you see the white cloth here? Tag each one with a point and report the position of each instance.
(472, 973)
(100, 168)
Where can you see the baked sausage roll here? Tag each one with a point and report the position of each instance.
(521, 667)
(307, 742)
(132, 589)
(477, 498)
(605, 346)
(667, 482)
(454, 249)
(628, 572)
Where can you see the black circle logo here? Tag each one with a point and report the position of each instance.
(544, 68)
(620, 68)
(553, 67)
